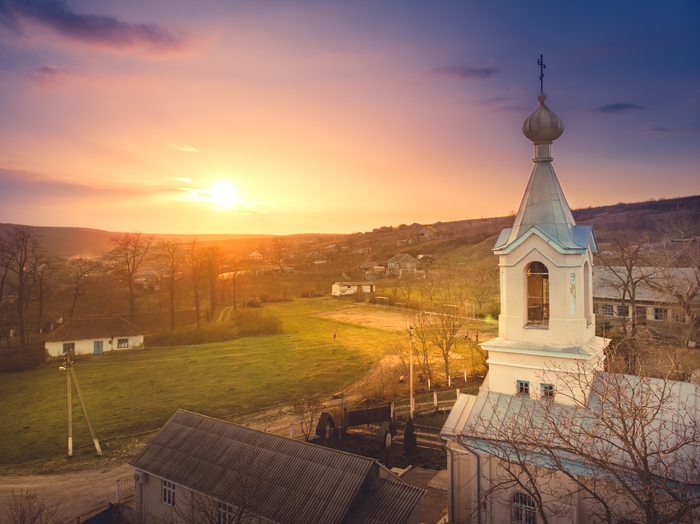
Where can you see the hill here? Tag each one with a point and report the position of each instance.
(87, 242)
(463, 240)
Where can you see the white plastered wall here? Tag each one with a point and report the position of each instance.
(87, 346)
(567, 323)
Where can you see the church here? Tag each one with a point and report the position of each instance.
(553, 436)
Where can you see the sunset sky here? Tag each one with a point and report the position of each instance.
(277, 117)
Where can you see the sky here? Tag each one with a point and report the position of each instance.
(280, 117)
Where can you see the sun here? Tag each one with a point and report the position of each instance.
(223, 193)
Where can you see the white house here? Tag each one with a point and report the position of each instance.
(93, 336)
(340, 289)
(512, 449)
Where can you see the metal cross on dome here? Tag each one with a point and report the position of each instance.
(540, 62)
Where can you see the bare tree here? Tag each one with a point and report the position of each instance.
(45, 265)
(22, 256)
(211, 267)
(408, 283)
(79, 269)
(26, 507)
(629, 446)
(307, 412)
(423, 342)
(234, 266)
(195, 265)
(130, 251)
(627, 269)
(441, 330)
(279, 246)
(482, 282)
(170, 255)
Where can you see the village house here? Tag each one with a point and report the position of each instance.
(147, 278)
(401, 263)
(93, 336)
(341, 289)
(196, 464)
(428, 233)
(654, 305)
(316, 258)
(255, 256)
(532, 438)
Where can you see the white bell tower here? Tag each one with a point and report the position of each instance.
(546, 326)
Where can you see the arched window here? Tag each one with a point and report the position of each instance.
(522, 509)
(537, 294)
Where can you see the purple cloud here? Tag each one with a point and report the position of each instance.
(104, 31)
(464, 72)
(50, 77)
(619, 107)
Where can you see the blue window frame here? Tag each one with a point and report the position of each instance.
(523, 387)
(69, 346)
(122, 343)
(547, 390)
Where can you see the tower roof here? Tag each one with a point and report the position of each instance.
(544, 209)
(543, 126)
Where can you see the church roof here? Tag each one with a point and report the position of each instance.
(486, 420)
(544, 209)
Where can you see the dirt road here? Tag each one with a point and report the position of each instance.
(77, 491)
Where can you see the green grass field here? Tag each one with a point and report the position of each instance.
(136, 391)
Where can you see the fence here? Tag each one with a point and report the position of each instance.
(125, 489)
(101, 515)
(426, 402)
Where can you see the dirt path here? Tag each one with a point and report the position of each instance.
(77, 491)
(368, 316)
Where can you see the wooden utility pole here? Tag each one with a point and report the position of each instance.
(70, 372)
(70, 417)
(410, 368)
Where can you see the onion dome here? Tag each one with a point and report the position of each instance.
(543, 126)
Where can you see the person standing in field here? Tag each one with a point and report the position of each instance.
(334, 334)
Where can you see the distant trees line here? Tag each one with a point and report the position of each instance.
(38, 287)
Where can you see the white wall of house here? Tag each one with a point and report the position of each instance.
(149, 500)
(87, 346)
(341, 290)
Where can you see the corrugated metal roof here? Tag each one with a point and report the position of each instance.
(495, 415)
(280, 479)
(388, 502)
(606, 283)
(89, 328)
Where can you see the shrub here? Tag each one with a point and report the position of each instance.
(245, 323)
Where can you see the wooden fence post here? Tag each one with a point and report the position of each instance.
(291, 430)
